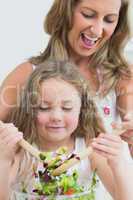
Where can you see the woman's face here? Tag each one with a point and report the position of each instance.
(94, 21)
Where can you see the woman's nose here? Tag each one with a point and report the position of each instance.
(97, 29)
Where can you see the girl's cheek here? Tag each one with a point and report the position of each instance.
(73, 121)
(40, 119)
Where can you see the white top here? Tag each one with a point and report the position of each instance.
(83, 167)
(107, 110)
(85, 172)
(33, 67)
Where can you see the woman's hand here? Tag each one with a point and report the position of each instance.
(126, 124)
(111, 147)
(9, 138)
(127, 135)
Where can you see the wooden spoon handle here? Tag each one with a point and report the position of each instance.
(66, 165)
(28, 147)
(69, 163)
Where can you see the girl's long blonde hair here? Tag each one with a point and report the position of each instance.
(58, 23)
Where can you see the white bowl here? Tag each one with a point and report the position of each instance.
(16, 195)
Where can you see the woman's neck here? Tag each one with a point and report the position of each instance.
(83, 63)
(80, 61)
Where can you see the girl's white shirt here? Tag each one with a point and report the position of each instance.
(85, 172)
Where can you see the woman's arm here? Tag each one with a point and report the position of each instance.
(114, 171)
(11, 87)
(124, 94)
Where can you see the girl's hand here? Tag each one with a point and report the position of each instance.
(9, 138)
(111, 147)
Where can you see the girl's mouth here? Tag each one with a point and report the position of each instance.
(55, 128)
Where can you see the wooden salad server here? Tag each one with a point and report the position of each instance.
(26, 145)
(69, 163)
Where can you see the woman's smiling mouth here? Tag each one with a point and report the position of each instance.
(87, 41)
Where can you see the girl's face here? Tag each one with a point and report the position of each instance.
(94, 21)
(58, 111)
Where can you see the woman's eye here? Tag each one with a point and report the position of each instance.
(110, 20)
(88, 15)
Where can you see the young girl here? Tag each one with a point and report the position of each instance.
(56, 109)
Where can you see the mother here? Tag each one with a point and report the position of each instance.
(92, 34)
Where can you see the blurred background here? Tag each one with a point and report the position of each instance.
(22, 35)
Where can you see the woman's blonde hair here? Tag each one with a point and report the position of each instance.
(58, 23)
(24, 117)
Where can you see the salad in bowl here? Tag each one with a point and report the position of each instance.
(52, 187)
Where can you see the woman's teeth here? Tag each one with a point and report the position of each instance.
(87, 40)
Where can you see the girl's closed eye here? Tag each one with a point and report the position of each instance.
(44, 108)
(67, 108)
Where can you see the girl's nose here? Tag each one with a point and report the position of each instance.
(56, 115)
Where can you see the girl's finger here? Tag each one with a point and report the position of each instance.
(12, 137)
(105, 149)
(6, 134)
(14, 141)
(101, 153)
(107, 142)
(110, 137)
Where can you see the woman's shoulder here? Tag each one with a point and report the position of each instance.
(19, 74)
(125, 82)
(11, 87)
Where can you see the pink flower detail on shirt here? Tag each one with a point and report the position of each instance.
(106, 110)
